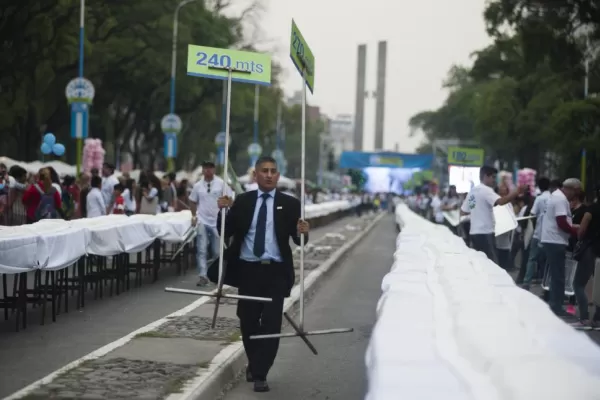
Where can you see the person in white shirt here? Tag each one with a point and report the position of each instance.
(95, 204)
(451, 202)
(504, 241)
(537, 210)
(108, 182)
(436, 208)
(479, 204)
(557, 228)
(204, 208)
(130, 202)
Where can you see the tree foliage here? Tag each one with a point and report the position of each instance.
(128, 59)
(523, 98)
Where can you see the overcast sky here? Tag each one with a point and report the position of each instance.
(425, 37)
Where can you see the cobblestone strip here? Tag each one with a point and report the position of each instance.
(199, 328)
(117, 379)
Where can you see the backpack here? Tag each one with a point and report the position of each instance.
(68, 204)
(46, 209)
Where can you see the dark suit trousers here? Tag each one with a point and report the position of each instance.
(258, 318)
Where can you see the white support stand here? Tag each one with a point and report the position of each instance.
(218, 294)
(299, 327)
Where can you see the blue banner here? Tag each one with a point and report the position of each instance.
(221, 155)
(170, 145)
(359, 160)
(79, 120)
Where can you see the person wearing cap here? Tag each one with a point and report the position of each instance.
(203, 205)
(109, 180)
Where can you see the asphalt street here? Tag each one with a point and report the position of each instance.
(39, 350)
(347, 298)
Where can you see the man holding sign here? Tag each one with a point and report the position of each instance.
(260, 262)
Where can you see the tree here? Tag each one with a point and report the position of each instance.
(522, 98)
(128, 59)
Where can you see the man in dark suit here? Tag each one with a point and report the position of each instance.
(260, 263)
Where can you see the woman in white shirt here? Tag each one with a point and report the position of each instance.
(130, 203)
(150, 196)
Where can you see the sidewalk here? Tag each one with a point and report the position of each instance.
(177, 356)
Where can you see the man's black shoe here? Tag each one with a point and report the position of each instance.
(249, 375)
(261, 386)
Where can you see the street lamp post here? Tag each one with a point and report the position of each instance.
(81, 36)
(170, 136)
(589, 55)
(174, 53)
(80, 94)
(324, 139)
(254, 157)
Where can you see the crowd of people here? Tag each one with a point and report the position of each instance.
(557, 228)
(27, 198)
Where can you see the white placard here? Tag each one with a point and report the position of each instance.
(505, 218)
(452, 216)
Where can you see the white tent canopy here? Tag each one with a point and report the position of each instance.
(63, 169)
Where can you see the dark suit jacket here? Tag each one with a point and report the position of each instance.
(286, 214)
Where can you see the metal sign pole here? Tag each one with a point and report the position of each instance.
(218, 294)
(303, 198)
(223, 211)
(299, 328)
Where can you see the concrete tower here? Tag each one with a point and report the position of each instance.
(380, 95)
(359, 110)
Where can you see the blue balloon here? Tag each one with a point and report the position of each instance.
(50, 139)
(46, 148)
(58, 149)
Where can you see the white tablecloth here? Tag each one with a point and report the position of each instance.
(452, 325)
(56, 244)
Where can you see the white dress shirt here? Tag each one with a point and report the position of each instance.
(271, 247)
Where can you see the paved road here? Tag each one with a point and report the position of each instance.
(346, 299)
(31, 354)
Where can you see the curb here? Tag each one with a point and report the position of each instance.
(227, 365)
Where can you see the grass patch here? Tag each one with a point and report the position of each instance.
(203, 364)
(235, 337)
(175, 385)
(152, 334)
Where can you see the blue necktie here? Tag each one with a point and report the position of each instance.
(261, 227)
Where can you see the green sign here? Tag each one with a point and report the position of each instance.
(465, 156)
(302, 57)
(210, 62)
